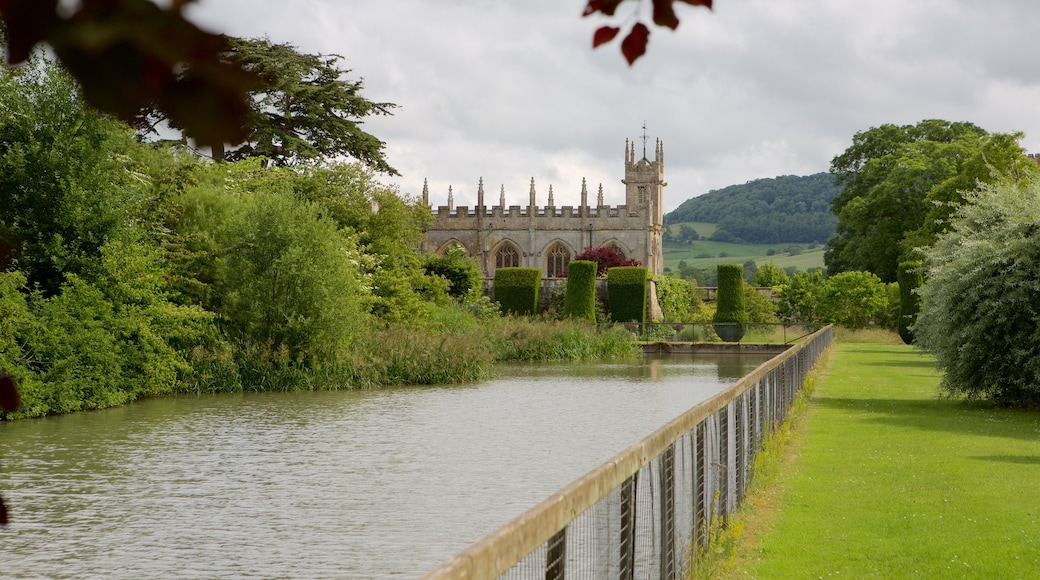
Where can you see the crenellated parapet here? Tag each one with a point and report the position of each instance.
(546, 236)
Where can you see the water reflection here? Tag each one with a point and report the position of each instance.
(371, 484)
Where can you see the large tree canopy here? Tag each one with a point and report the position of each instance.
(901, 183)
(302, 109)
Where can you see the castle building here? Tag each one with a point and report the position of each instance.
(547, 237)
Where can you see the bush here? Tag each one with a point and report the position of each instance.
(678, 298)
(516, 290)
(760, 308)
(626, 292)
(910, 279)
(730, 313)
(851, 299)
(800, 297)
(605, 259)
(981, 298)
(461, 272)
(580, 299)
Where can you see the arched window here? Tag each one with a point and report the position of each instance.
(507, 256)
(617, 249)
(556, 260)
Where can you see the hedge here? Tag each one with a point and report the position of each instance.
(730, 314)
(580, 300)
(516, 290)
(626, 291)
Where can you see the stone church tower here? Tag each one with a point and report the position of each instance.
(547, 237)
(644, 192)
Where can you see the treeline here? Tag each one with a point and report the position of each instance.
(131, 270)
(766, 211)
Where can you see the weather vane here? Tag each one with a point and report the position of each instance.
(645, 137)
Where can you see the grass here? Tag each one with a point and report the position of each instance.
(883, 479)
(736, 253)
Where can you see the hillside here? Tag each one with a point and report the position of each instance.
(785, 209)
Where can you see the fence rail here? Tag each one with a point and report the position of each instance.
(644, 513)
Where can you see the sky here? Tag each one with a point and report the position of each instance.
(510, 90)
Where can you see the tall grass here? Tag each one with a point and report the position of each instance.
(519, 339)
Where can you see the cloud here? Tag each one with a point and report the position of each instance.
(507, 91)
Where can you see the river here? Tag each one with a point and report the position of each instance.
(340, 484)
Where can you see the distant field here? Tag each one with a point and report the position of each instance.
(736, 253)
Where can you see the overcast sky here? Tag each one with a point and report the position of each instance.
(508, 90)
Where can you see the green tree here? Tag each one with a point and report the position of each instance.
(305, 109)
(770, 276)
(910, 279)
(687, 234)
(678, 298)
(851, 299)
(288, 279)
(461, 271)
(760, 308)
(980, 301)
(68, 180)
(901, 183)
(750, 269)
(799, 298)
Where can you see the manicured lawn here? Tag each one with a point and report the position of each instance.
(886, 480)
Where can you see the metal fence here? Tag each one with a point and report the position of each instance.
(645, 513)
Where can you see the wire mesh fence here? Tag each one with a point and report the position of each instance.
(647, 512)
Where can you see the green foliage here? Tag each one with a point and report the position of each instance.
(981, 298)
(516, 290)
(765, 211)
(760, 308)
(626, 293)
(679, 299)
(730, 311)
(851, 299)
(901, 183)
(910, 278)
(888, 317)
(517, 339)
(461, 272)
(799, 298)
(770, 276)
(274, 293)
(750, 270)
(580, 299)
(67, 182)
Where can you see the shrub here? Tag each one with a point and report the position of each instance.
(910, 279)
(760, 308)
(730, 313)
(770, 275)
(980, 301)
(461, 272)
(605, 259)
(516, 290)
(799, 298)
(580, 299)
(626, 292)
(851, 299)
(678, 298)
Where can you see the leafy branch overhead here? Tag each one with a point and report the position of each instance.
(634, 44)
(129, 55)
(149, 66)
